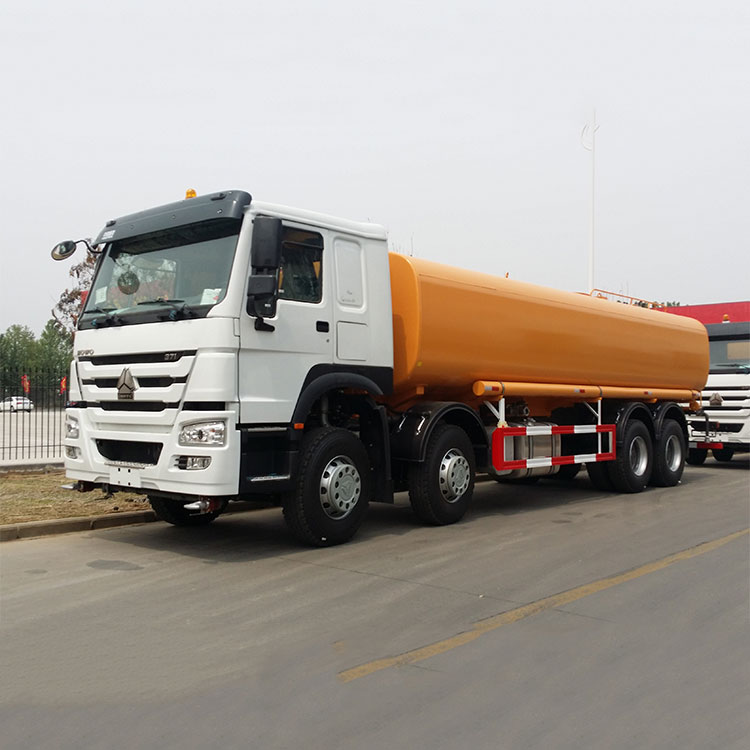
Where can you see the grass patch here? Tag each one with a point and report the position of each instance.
(38, 496)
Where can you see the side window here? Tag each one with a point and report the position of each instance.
(301, 266)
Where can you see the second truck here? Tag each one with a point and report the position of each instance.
(236, 350)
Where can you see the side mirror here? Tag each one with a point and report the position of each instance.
(261, 296)
(64, 250)
(265, 251)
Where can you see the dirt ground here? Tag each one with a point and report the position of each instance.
(38, 496)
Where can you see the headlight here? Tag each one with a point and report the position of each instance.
(71, 427)
(203, 433)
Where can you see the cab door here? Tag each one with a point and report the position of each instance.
(273, 364)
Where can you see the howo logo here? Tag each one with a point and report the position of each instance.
(125, 386)
(716, 399)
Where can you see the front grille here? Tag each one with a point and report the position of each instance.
(131, 359)
(130, 451)
(717, 426)
(143, 382)
(135, 405)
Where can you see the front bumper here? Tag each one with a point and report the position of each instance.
(145, 456)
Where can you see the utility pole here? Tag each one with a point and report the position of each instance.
(590, 145)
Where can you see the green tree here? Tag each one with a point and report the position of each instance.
(18, 355)
(54, 349)
(18, 348)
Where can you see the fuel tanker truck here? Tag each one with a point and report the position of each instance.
(236, 350)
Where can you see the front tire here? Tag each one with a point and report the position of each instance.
(669, 455)
(723, 455)
(175, 513)
(441, 487)
(332, 489)
(631, 470)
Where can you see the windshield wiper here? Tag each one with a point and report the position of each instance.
(177, 309)
(107, 312)
(730, 365)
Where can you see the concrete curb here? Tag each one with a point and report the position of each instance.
(31, 529)
(45, 466)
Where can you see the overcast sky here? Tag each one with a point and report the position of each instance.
(455, 125)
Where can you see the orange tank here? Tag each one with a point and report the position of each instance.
(452, 327)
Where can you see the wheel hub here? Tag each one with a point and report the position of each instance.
(455, 475)
(638, 456)
(340, 487)
(673, 453)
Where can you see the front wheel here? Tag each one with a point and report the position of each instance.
(441, 487)
(631, 470)
(329, 500)
(723, 454)
(669, 455)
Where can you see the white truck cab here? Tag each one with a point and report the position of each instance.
(724, 427)
(182, 387)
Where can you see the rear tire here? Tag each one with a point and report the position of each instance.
(723, 455)
(175, 513)
(441, 487)
(697, 456)
(631, 470)
(669, 455)
(332, 490)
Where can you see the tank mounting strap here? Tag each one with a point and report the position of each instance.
(501, 433)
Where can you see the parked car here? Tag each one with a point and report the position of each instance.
(16, 403)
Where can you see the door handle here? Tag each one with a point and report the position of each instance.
(322, 326)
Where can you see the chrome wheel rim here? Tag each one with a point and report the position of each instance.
(340, 487)
(455, 475)
(639, 456)
(673, 453)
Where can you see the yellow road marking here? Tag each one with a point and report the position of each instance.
(528, 610)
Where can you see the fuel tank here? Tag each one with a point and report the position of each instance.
(452, 327)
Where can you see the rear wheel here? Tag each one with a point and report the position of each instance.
(723, 454)
(669, 455)
(441, 487)
(175, 513)
(697, 456)
(632, 469)
(332, 491)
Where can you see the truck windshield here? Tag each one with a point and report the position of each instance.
(164, 275)
(728, 354)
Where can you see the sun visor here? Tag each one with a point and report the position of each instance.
(230, 204)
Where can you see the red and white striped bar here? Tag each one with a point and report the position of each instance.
(498, 445)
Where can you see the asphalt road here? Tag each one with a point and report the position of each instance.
(553, 616)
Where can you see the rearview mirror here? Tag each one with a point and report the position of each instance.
(261, 295)
(265, 251)
(64, 250)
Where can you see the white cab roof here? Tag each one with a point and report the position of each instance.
(363, 229)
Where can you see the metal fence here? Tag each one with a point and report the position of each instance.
(32, 415)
